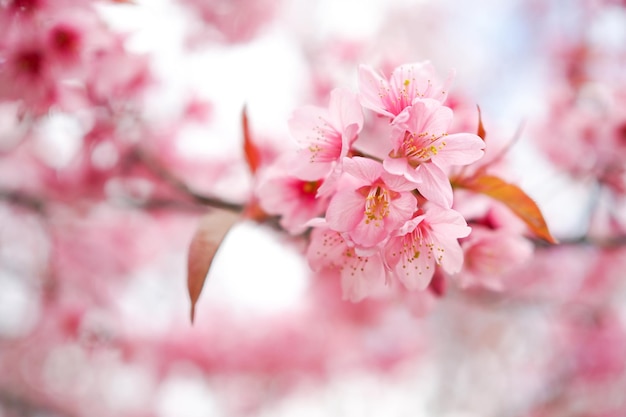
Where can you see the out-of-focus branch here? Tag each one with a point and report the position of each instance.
(26, 407)
(24, 200)
(159, 170)
(586, 240)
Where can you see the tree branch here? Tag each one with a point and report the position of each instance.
(160, 171)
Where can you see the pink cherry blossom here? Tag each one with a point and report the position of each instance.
(407, 83)
(25, 74)
(228, 21)
(490, 255)
(326, 134)
(360, 274)
(370, 202)
(423, 150)
(294, 199)
(425, 241)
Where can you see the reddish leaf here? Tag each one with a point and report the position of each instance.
(211, 230)
(514, 198)
(251, 151)
(481, 128)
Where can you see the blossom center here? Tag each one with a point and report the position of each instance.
(24, 5)
(30, 63)
(65, 40)
(325, 144)
(311, 187)
(420, 147)
(377, 203)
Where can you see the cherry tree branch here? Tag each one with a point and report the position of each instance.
(157, 168)
(20, 199)
(26, 407)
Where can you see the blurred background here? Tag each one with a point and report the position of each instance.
(121, 123)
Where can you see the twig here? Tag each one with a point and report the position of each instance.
(159, 170)
(21, 199)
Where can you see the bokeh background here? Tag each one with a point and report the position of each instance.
(120, 121)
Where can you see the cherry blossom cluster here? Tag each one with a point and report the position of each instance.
(61, 54)
(382, 216)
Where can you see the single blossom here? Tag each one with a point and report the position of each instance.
(490, 255)
(370, 203)
(406, 84)
(293, 199)
(425, 241)
(423, 150)
(326, 134)
(360, 273)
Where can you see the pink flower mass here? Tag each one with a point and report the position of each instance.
(423, 150)
(237, 208)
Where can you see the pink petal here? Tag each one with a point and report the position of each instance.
(416, 276)
(369, 234)
(400, 166)
(459, 149)
(399, 181)
(447, 222)
(345, 211)
(413, 269)
(311, 128)
(401, 210)
(360, 276)
(424, 80)
(345, 110)
(435, 184)
(451, 255)
(371, 86)
(308, 171)
(304, 120)
(325, 249)
(363, 168)
(348, 137)
(429, 116)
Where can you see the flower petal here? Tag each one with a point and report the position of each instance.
(430, 117)
(435, 185)
(371, 87)
(361, 275)
(459, 149)
(363, 168)
(345, 110)
(345, 211)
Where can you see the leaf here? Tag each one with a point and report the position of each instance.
(481, 128)
(207, 239)
(514, 198)
(251, 151)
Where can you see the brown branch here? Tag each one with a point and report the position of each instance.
(603, 243)
(26, 407)
(24, 200)
(160, 171)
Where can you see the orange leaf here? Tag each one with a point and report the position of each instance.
(251, 151)
(481, 128)
(210, 233)
(514, 198)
